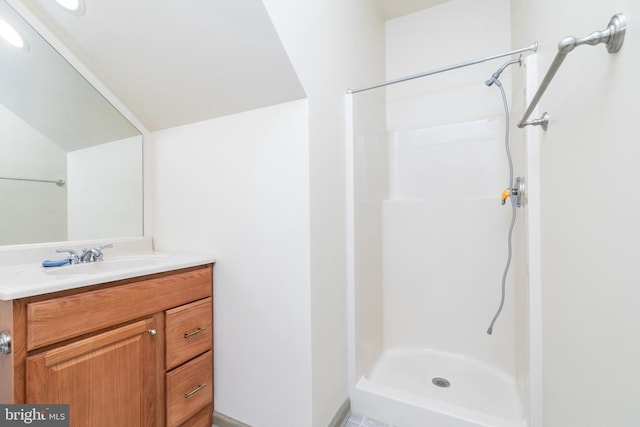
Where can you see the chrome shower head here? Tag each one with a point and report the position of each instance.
(494, 78)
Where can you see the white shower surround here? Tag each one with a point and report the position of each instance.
(410, 306)
(444, 242)
(443, 247)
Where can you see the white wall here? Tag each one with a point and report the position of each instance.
(333, 45)
(105, 190)
(31, 211)
(281, 339)
(238, 188)
(589, 162)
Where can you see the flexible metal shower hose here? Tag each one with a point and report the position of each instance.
(513, 207)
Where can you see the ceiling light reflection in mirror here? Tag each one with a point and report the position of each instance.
(11, 36)
(54, 125)
(75, 7)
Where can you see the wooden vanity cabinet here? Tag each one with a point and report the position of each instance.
(136, 352)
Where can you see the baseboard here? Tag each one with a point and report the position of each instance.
(341, 416)
(220, 420)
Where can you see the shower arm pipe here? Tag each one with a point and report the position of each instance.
(533, 48)
(612, 36)
(59, 182)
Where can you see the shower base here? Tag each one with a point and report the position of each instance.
(416, 387)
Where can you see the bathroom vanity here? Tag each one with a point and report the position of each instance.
(133, 351)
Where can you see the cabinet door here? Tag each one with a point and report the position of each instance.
(109, 379)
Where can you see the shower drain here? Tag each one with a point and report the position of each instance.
(441, 382)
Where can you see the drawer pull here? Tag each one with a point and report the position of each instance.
(194, 391)
(197, 331)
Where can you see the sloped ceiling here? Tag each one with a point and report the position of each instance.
(395, 8)
(178, 62)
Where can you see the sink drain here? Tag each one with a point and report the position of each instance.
(441, 382)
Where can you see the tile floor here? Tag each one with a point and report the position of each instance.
(357, 420)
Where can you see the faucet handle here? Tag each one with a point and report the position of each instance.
(98, 253)
(73, 255)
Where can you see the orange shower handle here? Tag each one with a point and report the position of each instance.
(518, 193)
(506, 193)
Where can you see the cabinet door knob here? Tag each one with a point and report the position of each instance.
(152, 332)
(5, 342)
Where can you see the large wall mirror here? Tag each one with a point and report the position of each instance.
(70, 163)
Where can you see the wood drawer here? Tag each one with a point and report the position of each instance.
(189, 389)
(204, 418)
(189, 331)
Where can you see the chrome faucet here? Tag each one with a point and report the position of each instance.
(93, 254)
(73, 255)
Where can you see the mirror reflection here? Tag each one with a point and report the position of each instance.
(70, 163)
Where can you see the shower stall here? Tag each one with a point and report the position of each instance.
(428, 252)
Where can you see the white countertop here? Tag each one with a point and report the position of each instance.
(18, 280)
